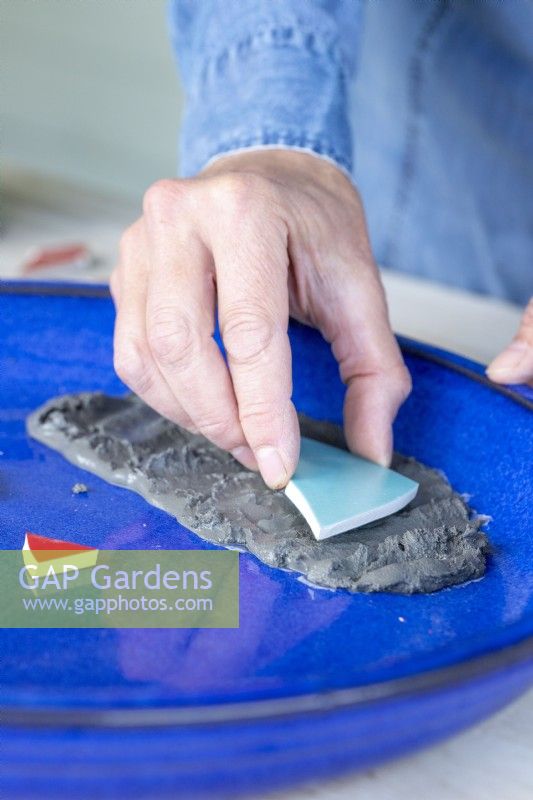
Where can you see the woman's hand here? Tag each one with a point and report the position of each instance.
(515, 364)
(255, 237)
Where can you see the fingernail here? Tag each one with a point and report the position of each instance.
(272, 467)
(383, 453)
(384, 460)
(245, 456)
(509, 360)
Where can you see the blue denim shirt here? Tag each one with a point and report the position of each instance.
(428, 104)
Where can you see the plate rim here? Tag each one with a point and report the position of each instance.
(520, 393)
(519, 654)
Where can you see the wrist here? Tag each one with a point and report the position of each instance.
(278, 163)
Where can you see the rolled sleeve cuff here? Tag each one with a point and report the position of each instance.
(280, 87)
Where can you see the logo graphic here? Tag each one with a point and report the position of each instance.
(42, 553)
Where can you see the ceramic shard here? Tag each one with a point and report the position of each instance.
(337, 491)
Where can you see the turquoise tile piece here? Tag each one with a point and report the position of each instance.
(337, 491)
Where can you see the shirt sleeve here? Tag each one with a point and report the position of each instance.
(265, 73)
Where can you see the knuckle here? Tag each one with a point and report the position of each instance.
(405, 383)
(127, 241)
(131, 366)
(246, 335)
(399, 381)
(171, 337)
(239, 193)
(217, 430)
(259, 415)
(161, 197)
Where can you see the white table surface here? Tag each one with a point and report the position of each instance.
(493, 760)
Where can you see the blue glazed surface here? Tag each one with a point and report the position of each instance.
(293, 639)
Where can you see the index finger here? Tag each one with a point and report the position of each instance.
(252, 285)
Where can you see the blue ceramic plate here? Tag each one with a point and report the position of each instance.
(313, 682)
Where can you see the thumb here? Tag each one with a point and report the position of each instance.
(371, 366)
(515, 363)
